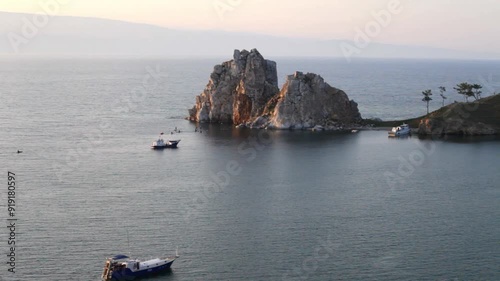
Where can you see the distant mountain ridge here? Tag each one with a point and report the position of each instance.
(79, 36)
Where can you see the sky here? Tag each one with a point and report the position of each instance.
(459, 24)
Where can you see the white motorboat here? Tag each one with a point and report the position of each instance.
(401, 130)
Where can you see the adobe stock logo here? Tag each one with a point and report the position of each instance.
(31, 27)
(223, 6)
(363, 37)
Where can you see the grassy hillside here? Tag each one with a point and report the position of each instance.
(485, 110)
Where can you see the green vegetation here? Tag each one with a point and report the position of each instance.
(476, 88)
(464, 88)
(442, 90)
(427, 98)
(485, 110)
(469, 90)
(428, 93)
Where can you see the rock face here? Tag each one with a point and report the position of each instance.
(307, 101)
(244, 92)
(481, 117)
(237, 90)
(454, 126)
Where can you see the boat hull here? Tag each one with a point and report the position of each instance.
(398, 134)
(127, 274)
(170, 144)
(399, 131)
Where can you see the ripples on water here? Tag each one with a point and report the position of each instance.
(316, 206)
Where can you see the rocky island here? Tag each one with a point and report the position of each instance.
(244, 91)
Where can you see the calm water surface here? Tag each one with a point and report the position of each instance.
(240, 205)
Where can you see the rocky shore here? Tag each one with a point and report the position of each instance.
(481, 117)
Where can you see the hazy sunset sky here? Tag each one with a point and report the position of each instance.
(458, 24)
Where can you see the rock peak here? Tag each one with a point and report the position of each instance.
(307, 101)
(237, 90)
(306, 78)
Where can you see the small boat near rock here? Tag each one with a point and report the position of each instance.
(401, 130)
(121, 267)
(160, 143)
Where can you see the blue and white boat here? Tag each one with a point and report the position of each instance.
(121, 267)
(161, 143)
(401, 130)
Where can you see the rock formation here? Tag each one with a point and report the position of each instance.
(244, 91)
(237, 90)
(307, 101)
(481, 117)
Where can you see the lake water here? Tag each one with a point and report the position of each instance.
(242, 204)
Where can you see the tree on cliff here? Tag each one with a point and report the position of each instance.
(469, 90)
(427, 98)
(442, 90)
(476, 90)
